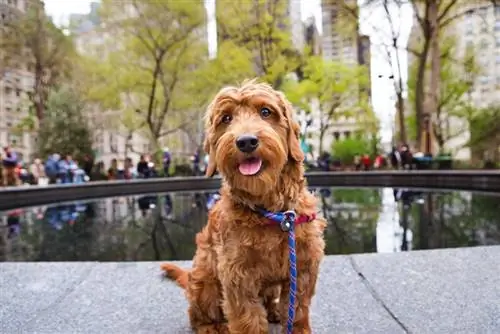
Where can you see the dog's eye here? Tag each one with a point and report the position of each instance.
(265, 112)
(226, 119)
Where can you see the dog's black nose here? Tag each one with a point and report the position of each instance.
(247, 143)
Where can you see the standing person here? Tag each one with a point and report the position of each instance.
(52, 168)
(67, 167)
(195, 159)
(396, 162)
(167, 160)
(129, 171)
(406, 157)
(37, 170)
(113, 170)
(1, 170)
(9, 164)
(142, 166)
(366, 162)
(88, 164)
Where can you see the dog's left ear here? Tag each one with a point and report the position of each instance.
(212, 166)
(294, 149)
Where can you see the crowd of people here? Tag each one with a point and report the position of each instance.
(399, 158)
(57, 169)
(65, 169)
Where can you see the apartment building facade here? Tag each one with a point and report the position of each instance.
(350, 48)
(16, 82)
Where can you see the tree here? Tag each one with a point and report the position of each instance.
(348, 148)
(48, 53)
(261, 28)
(434, 18)
(456, 82)
(64, 129)
(485, 134)
(338, 89)
(157, 48)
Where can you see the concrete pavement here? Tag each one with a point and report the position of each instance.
(440, 291)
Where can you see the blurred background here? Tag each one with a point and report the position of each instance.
(115, 79)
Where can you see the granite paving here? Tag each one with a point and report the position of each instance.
(439, 291)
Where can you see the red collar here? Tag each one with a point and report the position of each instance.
(298, 220)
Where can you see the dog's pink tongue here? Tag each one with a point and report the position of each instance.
(250, 166)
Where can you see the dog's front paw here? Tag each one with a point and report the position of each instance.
(213, 329)
(273, 317)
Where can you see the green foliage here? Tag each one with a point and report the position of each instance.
(258, 27)
(347, 149)
(149, 71)
(485, 132)
(338, 88)
(64, 129)
(231, 66)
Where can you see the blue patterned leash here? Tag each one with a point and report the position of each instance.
(286, 221)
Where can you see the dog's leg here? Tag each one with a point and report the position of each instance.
(307, 275)
(204, 296)
(242, 304)
(271, 303)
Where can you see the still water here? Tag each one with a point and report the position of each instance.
(163, 227)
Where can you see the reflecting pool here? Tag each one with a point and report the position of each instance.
(163, 227)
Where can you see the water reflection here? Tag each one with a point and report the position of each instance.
(163, 227)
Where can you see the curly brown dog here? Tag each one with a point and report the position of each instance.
(240, 276)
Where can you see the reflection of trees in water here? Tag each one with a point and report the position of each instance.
(352, 216)
(127, 236)
(457, 219)
(121, 232)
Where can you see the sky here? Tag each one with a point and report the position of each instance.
(382, 88)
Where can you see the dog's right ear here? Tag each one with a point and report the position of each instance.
(212, 166)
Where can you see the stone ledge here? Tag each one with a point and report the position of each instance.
(440, 291)
(478, 181)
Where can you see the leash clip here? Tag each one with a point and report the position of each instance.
(288, 221)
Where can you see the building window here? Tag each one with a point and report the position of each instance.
(483, 12)
(113, 143)
(347, 134)
(336, 135)
(484, 27)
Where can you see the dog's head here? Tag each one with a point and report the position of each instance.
(251, 137)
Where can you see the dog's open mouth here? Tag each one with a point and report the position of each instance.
(250, 166)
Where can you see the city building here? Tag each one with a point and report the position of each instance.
(312, 37)
(290, 20)
(16, 81)
(349, 47)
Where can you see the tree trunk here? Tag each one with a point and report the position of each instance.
(37, 97)
(419, 89)
(432, 98)
(401, 118)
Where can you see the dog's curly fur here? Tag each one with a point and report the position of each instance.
(239, 282)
